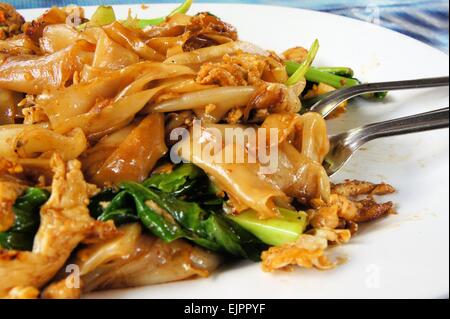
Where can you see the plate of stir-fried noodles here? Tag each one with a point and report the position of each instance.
(165, 151)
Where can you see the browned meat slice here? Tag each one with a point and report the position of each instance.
(65, 223)
(10, 188)
(356, 188)
(205, 30)
(10, 21)
(36, 28)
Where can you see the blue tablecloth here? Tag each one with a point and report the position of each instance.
(425, 20)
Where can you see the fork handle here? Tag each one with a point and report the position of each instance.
(401, 85)
(330, 101)
(437, 119)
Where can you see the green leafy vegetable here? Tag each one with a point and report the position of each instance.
(27, 219)
(188, 181)
(162, 226)
(303, 68)
(274, 231)
(120, 210)
(175, 218)
(98, 202)
(234, 239)
(16, 241)
(184, 204)
(176, 182)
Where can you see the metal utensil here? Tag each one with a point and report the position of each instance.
(344, 145)
(327, 103)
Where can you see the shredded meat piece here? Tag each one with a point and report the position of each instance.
(370, 210)
(356, 211)
(10, 21)
(221, 74)
(234, 116)
(241, 69)
(324, 217)
(65, 223)
(356, 188)
(344, 210)
(334, 236)
(308, 252)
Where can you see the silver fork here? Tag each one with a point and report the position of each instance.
(327, 103)
(344, 145)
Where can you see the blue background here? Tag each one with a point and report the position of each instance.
(425, 20)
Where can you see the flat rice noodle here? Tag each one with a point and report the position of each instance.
(94, 256)
(298, 176)
(241, 180)
(135, 259)
(308, 133)
(136, 156)
(79, 99)
(94, 157)
(178, 86)
(213, 53)
(102, 119)
(163, 44)
(132, 39)
(109, 54)
(19, 45)
(8, 106)
(8, 134)
(183, 83)
(155, 71)
(34, 142)
(57, 37)
(31, 141)
(315, 142)
(223, 98)
(189, 85)
(33, 75)
(173, 26)
(303, 144)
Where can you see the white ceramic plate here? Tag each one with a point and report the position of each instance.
(403, 256)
